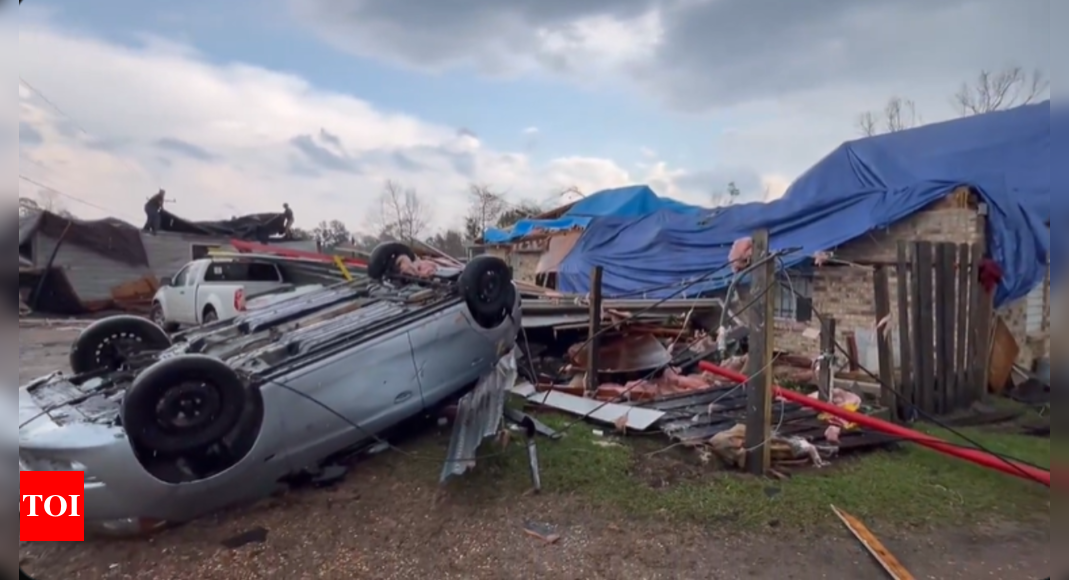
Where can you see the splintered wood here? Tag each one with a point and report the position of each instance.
(887, 561)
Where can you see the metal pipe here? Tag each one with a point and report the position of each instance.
(972, 455)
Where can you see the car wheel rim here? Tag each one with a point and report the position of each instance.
(187, 407)
(114, 351)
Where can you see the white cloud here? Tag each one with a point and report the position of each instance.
(225, 139)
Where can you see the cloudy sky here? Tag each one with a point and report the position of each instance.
(238, 106)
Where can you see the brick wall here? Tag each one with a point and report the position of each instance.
(524, 261)
(845, 292)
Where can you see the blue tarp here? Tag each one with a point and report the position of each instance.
(862, 186)
(524, 228)
(626, 202)
(635, 201)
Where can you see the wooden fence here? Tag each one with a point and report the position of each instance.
(944, 329)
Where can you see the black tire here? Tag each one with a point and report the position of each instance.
(384, 259)
(209, 316)
(202, 385)
(107, 343)
(158, 319)
(486, 285)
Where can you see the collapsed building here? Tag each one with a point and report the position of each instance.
(69, 266)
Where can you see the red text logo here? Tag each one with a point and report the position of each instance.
(50, 506)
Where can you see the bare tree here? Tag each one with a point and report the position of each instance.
(898, 115)
(728, 197)
(401, 214)
(486, 208)
(997, 91)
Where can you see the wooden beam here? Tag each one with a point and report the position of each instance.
(882, 294)
(593, 360)
(762, 347)
(827, 358)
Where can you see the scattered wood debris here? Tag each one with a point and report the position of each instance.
(883, 556)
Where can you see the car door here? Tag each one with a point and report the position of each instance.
(347, 399)
(180, 298)
(449, 353)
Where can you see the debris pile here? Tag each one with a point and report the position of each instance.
(647, 379)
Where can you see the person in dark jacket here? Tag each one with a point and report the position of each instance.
(287, 219)
(154, 212)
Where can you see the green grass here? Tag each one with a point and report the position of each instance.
(907, 487)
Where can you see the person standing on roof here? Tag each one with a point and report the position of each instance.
(154, 212)
(287, 219)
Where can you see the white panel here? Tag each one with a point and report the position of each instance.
(1035, 310)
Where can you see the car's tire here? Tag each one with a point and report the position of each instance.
(202, 386)
(160, 320)
(107, 343)
(384, 259)
(487, 289)
(209, 316)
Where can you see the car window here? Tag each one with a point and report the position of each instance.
(241, 272)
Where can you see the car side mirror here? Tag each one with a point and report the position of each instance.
(168, 281)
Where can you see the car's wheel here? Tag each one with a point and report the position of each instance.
(160, 319)
(384, 259)
(183, 405)
(109, 343)
(486, 285)
(209, 316)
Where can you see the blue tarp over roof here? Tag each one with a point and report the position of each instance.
(626, 202)
(862, 186)
(1059, 177)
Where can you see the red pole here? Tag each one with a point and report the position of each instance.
(973, 455)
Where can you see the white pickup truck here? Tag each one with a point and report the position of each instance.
(213, 289)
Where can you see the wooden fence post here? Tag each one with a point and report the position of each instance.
(762, 345)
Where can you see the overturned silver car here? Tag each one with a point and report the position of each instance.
(169, 429)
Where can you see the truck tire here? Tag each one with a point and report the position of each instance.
(107, 344)
(209, 316)
(183, 405)
(158, 317)
(487, 289)
(384, 257)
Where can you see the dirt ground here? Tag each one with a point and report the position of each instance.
(379, 523)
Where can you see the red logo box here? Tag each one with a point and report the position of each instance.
(51, 506)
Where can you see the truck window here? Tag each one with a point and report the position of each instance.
(241, 272)
(181, 278)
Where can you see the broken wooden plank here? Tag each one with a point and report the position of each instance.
(961, 346)
(924, 316)
(885, 353)
(883, 556)
(907, 379)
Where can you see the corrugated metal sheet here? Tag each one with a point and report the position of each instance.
(550, 320)
(91, 274)
(479, 416)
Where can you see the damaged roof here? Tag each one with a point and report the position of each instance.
(253, 227)
(110, 237)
